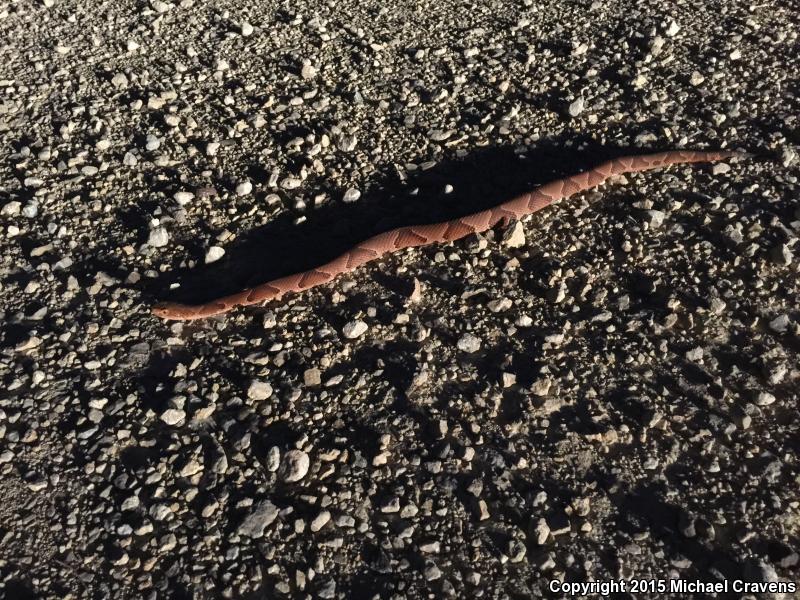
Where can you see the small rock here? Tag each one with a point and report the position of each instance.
(11, 209)
(654, 218)
(351, 195)
(192, 467)
(788, 156)
(779, 324)
(320, 521)
(576, 108)
(541, 532)
(160, 512)
(273, 459)
(499, 305)
(469, 343)
(173, 416)
(37, 483)
(717, 306)
(244, 188)
(259, 390)
(541, 387)
(160, 7)
(765, 399)
(695, 354)
(120, 81)
(347, 142)
(158, 238)
(213, 254)
(327, 590)
(354, 329)
(516, 237)
(672, 29)
(246, 29)
(308, 72)
(312, 377)
(696, 78)
(415, 291)
(720, 168)
(294, 465)
(152, 143)
(516, 551)
(258, 520)
(183, 198)
(269, 320)
(431, 572)
(776, 373)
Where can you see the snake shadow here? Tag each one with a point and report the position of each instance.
(479, 181)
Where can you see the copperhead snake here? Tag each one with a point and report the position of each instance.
(422, 235)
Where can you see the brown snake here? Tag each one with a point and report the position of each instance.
(422, 235)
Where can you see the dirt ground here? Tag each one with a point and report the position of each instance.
(607, 391)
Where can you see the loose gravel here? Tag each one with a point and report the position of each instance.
(608, 390)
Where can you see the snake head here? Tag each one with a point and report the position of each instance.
(162, 309)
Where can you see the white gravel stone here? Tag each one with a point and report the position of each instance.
(779, 324)
(183, 198)
(469, 343)
(322, 519)
(294, 465)
(765, 399)
(159, 237)
(351, 195)
(273, 459)
(654, 218)
(213, 254)
(516, 237)
(576, 108)
(244, 188)
(160, 512)
(312, 377)
(160, 7)
(11, 209)
(259, 390)
(308, 72)
(541, 532)
(672, 29)
(354, 329)
(119, 81)
(173, 416)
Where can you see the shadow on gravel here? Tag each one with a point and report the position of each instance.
(644, 508)
(484, 179)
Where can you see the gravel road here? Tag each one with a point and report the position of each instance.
(608, 390)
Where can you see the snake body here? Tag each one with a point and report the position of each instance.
(422, 235)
